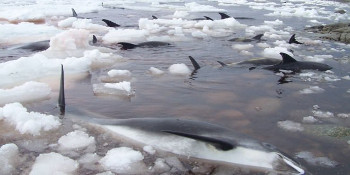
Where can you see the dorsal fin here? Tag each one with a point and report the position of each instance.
(110, 23)
(224, 15)
(287, 58)
(208, 18)
(194, 63)
(94, 39)
(74, 13)
(154, 17)
(61, 97)
(217, 143)
(293, 40)
(258, 37)
(222, 63)
(126, 46)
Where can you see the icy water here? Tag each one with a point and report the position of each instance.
(251, 102)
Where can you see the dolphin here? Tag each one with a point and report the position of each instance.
(255, 38)
(110, 23)
(224, 16)
(293, 40)
(197, 139)
(148, 44)
(33, 46)
(254, 62)
(289, 63)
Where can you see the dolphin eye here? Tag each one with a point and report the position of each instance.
(269, 146)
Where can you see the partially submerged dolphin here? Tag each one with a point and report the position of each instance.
(149, 44)
(255, 38)
(289, 63)
(200, 140)
(34, 46)
(224, 16)
(110, 23)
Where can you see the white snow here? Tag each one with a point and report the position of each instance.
(28, 122)
(311, 90)
(179, 69)
(149, 149)
(318, 161)
(309, 119)
(9, 158)
(76, 140)
(123, 160)
(290, 126)
(54, 163)
(27, 92)
(322, 114)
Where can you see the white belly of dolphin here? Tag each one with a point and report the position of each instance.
(189, 147)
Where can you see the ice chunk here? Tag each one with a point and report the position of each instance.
(318, 161)
(179, 69)
(343, 115)
(76, 140)
(121, 88)
(155, 71)
(242, 46)
(54, 163)
(125, 35)
(8, 158)
(149, 149)
(275, 52)
(27, 92)
(322, 114)
(72, 39)
(312, 90)
(116, 73)
(309, 119)
(160, 166)
(28, 122)
(290, 126)
(123, 160)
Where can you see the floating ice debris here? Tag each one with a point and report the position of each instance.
(9, 158)
(76, 140)
(275, 52)
(28, 122)
(179, 69)
(322, 114)
(312, 90)
(27, 92)
(149, 149)
(318, 58)
(343, 115)
(290, 126)
(242, 46)
(155, 71)
(309, 119)
(72, 39)
(78, 23)
(160, 166)
(348, 91)
(274, 23)
(319, 76)
(347, 77)
(54, 163)
(317, 161)
(121, 88)
(119, 73)
(123, 160)
(125, 35)
(315, 107)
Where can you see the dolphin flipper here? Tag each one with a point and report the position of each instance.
(224, 15)
(61, 97)
(194, 63)
(217, 143)
(74, 13)
(293, 40)
(110, 23)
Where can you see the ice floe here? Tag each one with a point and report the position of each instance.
(290, 126)
(311, 90)
(121, 88)
(318, 161)
(179, 69)
(9, 158)
(76, 140)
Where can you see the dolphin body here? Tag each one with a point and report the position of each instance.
(149, 44)
(197, 139)
(255, 38)
(289, 63)
(34, 46)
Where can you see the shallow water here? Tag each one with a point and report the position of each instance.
(248, 101)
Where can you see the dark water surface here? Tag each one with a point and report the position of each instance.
(248, 101)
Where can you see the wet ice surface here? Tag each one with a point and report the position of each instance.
(306, 117)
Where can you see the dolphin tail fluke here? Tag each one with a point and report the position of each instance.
(217, 143)
(126, 46)
(222, 63)
(194, 63)
(154, 17)
(110, 23)
(258, 37)
(208, 18)
(94, 39)
(224, 15)
(61, 97)
(74, 13)
(287, 58)
(293, 40)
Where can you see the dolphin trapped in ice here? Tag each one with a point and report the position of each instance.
(33, 46)
(255, 38)
(148, 44)
(289, 63)
(197, 139)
